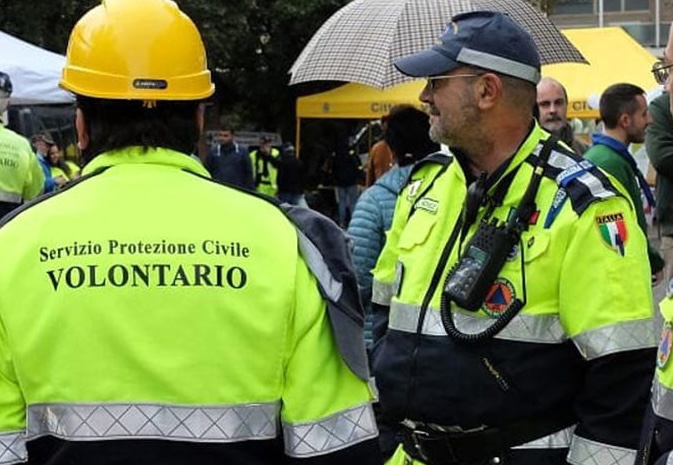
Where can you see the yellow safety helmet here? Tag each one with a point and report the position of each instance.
(137, 50)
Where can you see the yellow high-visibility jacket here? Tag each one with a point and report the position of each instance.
(148, 316)
(582, 272)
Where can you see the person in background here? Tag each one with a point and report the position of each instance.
(552, 102)
(657, 440)
(153, 316)
(290, 176)
(623, 110)
(380, 158)
(21, 177)
(265, 167)
(60, 167)
(512, 300)
(228, 161)
(346, 172)
(41, 142)
(406, 134)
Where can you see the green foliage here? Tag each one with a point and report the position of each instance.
(251, 45)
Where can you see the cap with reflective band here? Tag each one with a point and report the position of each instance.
(484, 39)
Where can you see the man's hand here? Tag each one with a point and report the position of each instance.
(60, 181)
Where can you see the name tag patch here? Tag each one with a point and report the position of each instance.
(429, 205)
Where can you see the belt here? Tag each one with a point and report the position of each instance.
(435, 447)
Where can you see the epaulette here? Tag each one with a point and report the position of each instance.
(578, 179)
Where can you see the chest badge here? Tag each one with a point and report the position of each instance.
(499, 297)
(412, 191)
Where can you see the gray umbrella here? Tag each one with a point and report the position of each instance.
(360, 42)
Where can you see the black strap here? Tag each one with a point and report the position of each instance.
(527, 205)
(448, 448)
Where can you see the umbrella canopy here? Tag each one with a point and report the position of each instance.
(360, 42)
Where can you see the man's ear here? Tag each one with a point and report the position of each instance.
(489, 90)
(82, 130)
(624, 120)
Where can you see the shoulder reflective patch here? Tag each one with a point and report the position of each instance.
(664, 352)
(499, 297)
(412, 191)
(427, 204)
(613, 232)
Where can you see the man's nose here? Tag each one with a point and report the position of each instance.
(426, 94)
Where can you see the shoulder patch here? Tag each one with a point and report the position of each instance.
(613, 231)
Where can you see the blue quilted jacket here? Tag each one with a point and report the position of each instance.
(371, 219)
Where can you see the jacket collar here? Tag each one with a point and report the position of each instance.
(151, 156)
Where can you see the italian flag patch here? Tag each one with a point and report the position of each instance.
(613, 231)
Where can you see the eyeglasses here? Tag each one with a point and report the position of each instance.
(661, 71)
(431, 80)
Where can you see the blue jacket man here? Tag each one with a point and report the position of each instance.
(228, 161)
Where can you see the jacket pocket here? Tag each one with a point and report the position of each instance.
(417, 231)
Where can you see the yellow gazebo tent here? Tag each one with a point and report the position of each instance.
(358, 101)
(614, 56)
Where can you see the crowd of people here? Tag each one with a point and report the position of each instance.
(486, 303)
